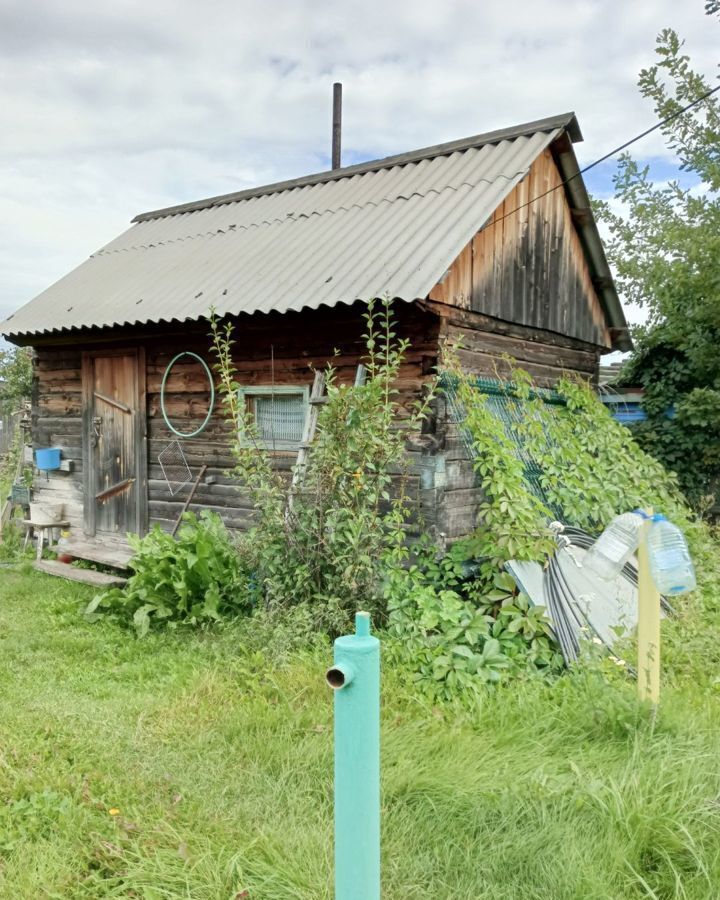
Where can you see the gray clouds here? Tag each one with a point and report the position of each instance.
(112, 108)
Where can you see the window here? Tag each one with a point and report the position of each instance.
(279, 414)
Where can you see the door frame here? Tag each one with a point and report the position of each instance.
(139, 420)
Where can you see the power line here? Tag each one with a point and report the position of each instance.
(648, 131)
(597, 162)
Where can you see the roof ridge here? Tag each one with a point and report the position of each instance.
(566, 121)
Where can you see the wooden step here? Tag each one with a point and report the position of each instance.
(86, 576)
(114, 554)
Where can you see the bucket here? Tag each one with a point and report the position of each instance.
(47, 459)
(46, 513)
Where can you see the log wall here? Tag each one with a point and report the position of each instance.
(57, 422)
(284, 350)
(485, 344)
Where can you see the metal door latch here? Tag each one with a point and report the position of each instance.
(96, 423)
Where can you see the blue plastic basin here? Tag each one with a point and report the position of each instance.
(47, 459)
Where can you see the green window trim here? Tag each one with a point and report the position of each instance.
(279, 426)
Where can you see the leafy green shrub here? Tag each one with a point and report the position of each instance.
(454, 636)
(328, 549)
(196, 578)
(11, 543)
(15, 377)
(454, 632)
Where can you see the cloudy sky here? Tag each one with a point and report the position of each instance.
(113, 107)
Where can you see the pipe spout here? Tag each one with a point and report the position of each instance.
(339, 676)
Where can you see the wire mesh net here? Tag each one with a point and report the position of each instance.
(280, 417)
(510, 410)
(174, 467)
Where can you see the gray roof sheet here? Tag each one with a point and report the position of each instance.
(390, 228)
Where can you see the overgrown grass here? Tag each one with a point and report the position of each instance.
(184, 766)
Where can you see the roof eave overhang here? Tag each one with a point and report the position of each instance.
(591, 241)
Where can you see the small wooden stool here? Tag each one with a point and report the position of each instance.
(42, 533)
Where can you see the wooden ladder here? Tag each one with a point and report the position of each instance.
(317, 399)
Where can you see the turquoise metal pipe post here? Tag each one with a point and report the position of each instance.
(355, 678)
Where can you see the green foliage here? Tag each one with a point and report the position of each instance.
(665, 249)
(328, 548)
(193, 579)
(12, 532)
(13, 539)
(219, 760)
(460, 633)
(512, 520)
(454, 637)
(455, 631)
(32, 818)
(588, 467)
(592, 469)
(15, 377)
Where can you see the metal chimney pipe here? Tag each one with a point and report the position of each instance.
(337, 125)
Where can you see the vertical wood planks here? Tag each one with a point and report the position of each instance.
(527, 264)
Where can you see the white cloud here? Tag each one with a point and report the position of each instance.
(110, 109)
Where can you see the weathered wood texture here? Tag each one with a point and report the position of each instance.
(527, 265)
(86, 576)
(57, 422)
(281, 350)
(441, 481)
(489, 347)
(114, 459)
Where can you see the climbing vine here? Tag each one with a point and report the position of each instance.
(460, 621)
(682, 405)
(591, 468)
(512, 519)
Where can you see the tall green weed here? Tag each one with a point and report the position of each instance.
(196, 578)
(328, 547)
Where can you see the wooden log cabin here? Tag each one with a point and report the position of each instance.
(488, 240)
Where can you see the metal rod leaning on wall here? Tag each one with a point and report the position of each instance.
(355, 679)
(203, 470)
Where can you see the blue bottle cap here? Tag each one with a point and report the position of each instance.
(659, 517)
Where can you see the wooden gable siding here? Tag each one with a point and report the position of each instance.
(528, 267)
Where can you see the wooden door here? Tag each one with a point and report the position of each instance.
(114, 442)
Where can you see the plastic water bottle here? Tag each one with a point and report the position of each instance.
(615, 546)
(670, 563)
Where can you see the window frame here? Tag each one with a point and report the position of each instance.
(246, 393)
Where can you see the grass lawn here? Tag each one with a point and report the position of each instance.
(184, 766)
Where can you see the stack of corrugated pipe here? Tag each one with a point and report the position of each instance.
(561, 606)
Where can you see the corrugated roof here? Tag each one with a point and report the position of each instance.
(390, 228)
